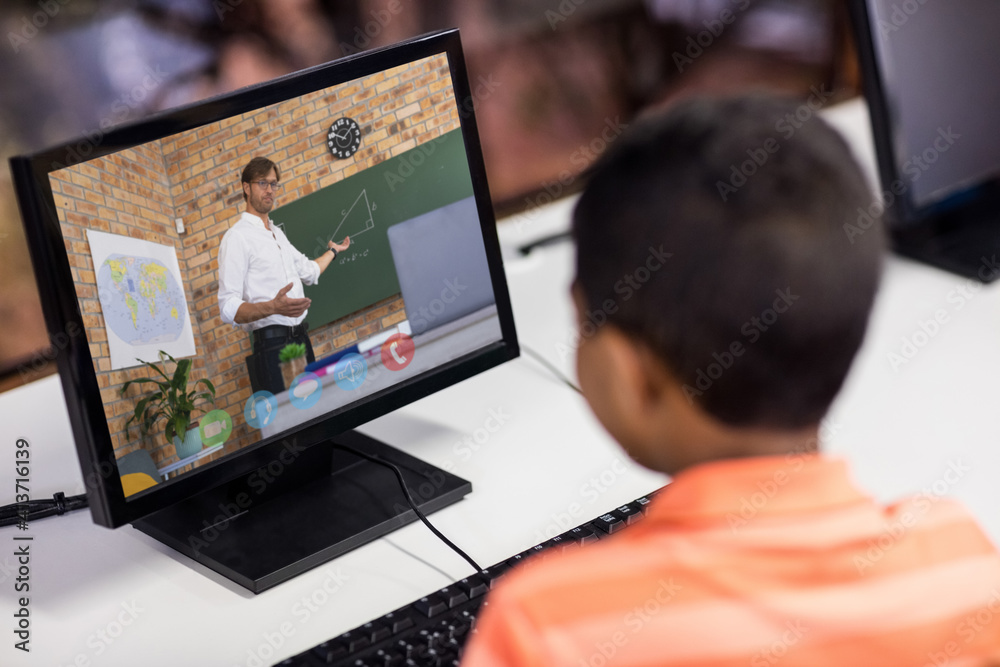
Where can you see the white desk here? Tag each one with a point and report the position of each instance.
(903, 430)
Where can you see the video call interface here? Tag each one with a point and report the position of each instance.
(379, 160)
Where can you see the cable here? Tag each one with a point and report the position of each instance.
(552, 239)
(409, 500)
(555, 371)
(39, 509)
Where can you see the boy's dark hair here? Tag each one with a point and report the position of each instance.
(258, 167)
(764, 300)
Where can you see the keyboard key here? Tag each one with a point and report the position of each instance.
(495, 573)
(643, 503)
(609, 523)
(376, 631)
(475, 586)
(398, 622)
(628, 513)
(430, 606)
(537, 549)
(388, 658)
(330, 652)
(354, 641)
(453, 596)
(517, 559)
(582, 535)
(561, 543)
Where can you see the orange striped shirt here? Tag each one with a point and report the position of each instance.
(758, 562)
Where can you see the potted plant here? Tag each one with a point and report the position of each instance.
(171, 400)
(293, 362)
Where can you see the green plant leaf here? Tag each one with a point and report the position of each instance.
(208, 383)
(157, 368)
(180, 425)
(181, 374)
(124, 388)
(292, 351)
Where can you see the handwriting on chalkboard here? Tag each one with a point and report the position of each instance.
(357, 218)
(352, 257)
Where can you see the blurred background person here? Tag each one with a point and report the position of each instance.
(554, 82)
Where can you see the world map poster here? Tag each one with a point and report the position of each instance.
(142, 299)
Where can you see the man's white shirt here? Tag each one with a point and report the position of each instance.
(254, 264)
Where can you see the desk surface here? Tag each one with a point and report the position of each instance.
(102, 597)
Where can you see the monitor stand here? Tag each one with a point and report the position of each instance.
(965, 242)
(277, 522)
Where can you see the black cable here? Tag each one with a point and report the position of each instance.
(551, 239)
(555, 371)
(409, 500)
(40, 509)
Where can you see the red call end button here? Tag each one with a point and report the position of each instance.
(397, 352)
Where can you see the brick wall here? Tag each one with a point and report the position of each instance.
(195, 176)
(124, 193)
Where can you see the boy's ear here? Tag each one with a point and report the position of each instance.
(641, 376)
(627, 396)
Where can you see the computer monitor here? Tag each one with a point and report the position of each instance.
(932, 79)
(124, 227)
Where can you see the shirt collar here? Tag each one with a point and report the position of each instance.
(770, 485)
(256, 222)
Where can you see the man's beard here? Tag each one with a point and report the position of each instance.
(261, 205)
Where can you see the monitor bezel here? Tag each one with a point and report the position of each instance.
(904, 214)
(62, 314)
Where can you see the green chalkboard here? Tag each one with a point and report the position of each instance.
(364, 206)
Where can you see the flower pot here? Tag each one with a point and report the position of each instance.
(191, 444)
(291, 369)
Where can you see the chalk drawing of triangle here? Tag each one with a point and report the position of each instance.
(357, 219)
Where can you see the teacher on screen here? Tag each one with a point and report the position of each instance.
(261, 276)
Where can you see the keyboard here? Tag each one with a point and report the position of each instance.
(433, 630)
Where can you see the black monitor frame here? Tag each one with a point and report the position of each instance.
(958, 233)
(63, 318)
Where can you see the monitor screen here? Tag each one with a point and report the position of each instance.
(939, 69)
(152, 254)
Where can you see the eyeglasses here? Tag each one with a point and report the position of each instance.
(269, 185)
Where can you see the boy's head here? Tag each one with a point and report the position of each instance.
(725, 299)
